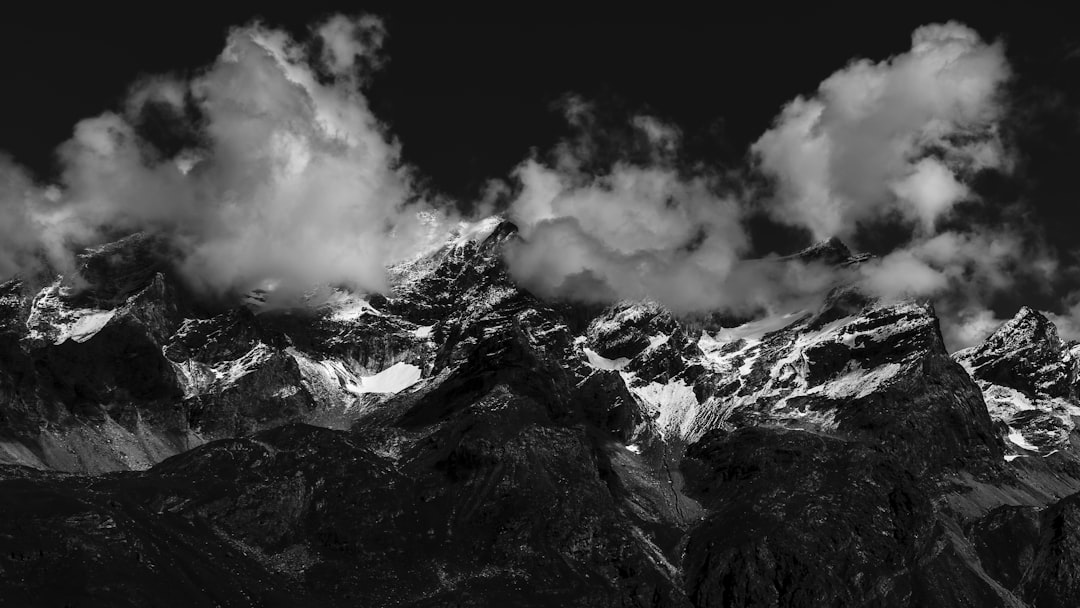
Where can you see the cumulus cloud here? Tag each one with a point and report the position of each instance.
(268, 167)
(642, 230)
(891, 141)
(287, 177)
(891, 138)
(635, 232)
(903, 273)
(895, 143)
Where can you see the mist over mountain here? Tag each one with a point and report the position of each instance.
(254, 352)
(269, 168)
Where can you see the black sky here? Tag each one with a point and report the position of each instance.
(470, 94)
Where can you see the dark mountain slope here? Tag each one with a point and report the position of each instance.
(461, 442)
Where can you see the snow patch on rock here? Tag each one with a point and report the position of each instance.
(755, 330)
(764, 369)
(1018, 439)
(673, 406)
(857, 383)
(52, 320)
(603, 363)
(194, 377)
(1035, 419)
(476, 231)
(229, 372)
(350, 307)
(393, 379)
(87, 324)
(658, 341)
(334, 381)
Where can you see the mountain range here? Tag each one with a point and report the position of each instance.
(459, 441)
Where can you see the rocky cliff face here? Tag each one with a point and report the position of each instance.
(1029, 377)
(128, 368)
(461, 442)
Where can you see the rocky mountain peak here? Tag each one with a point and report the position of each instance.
(832, 251)
(459, 437)
(1025, 354)
(113, 271)
(1028, 379)
(1027, 329)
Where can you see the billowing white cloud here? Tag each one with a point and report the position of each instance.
(285, 176)
(886, 141)
(889, 138)
(897, 141)
(903, 273)
(632, 232)
(930, 189)
(644, 230)
(294, 180)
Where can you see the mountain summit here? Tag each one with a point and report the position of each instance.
(459, 441)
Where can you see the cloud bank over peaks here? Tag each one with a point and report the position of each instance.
(894, 138)
(268, 167)
(287, 176)
(963, 272)
(643, 229)
(890, 145)
(896, 143)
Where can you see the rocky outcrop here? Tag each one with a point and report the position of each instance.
(872, 371)
(124, 366)
(801, 519)
(1028, 376)
(459, 441)
(1034, 552)
(1024, 354)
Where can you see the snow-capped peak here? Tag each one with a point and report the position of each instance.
(1028, 378)
(1025, 353)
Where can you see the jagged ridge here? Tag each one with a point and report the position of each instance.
(468, 442)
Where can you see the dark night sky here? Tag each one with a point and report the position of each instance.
(469, 95)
